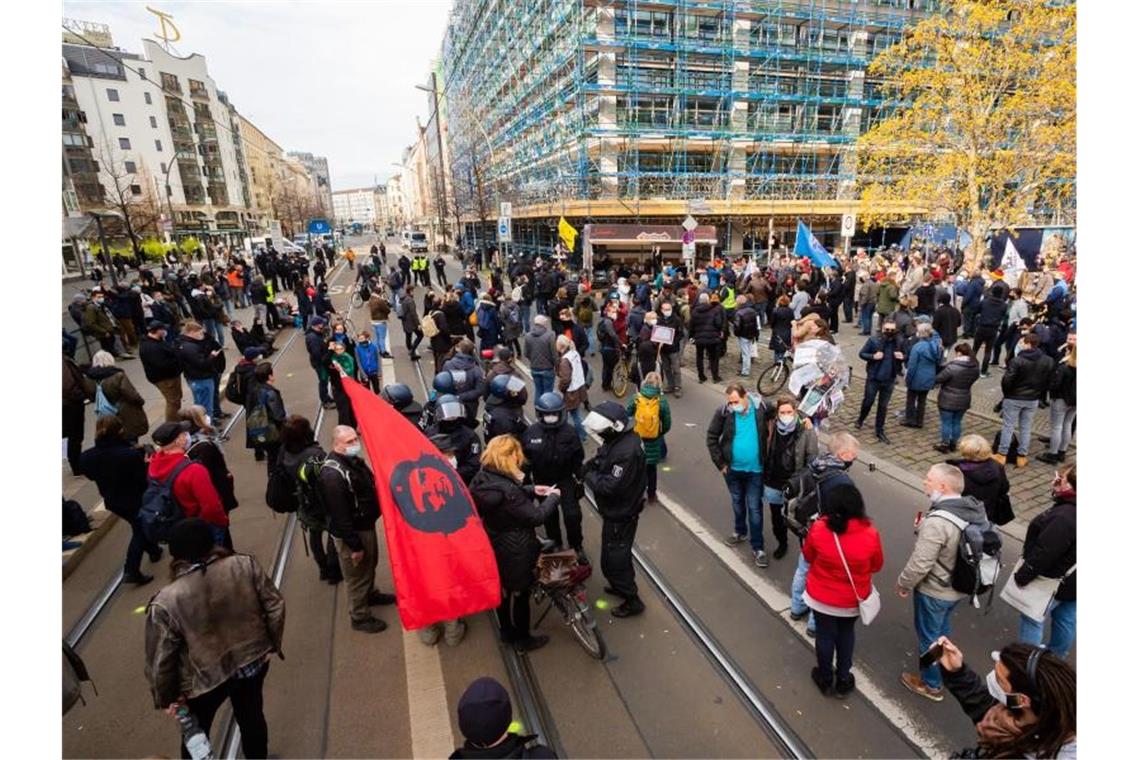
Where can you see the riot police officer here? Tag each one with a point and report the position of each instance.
(451, 421)
(401, 398)
(616, 475)
(555, 453)
(443, 384)
(503, 413)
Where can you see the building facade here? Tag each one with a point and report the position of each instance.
(264, 158)
(356, 206)
(318, 169)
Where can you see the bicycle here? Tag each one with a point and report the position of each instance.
(624, 371)
(561, 583)
(775, 375)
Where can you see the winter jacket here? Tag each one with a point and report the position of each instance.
(378, 308)
(456, 319)
(193, 489)
(119, 470)
(922, 365)
(745, 323)
(510, 516)
(827, 580)
(1064, 384)
(883, 370)
(77, 387)
(679, 334)
(464, 442)
(208, 622)
(956, 379)
(607, 334)
(119, 390)
(317, 348)
(159, 359)
(986, 481)
(409, 319)
(97, 321)
(722, 430)
(706, 323)
(347, 490)
(194, 357)
(368, 358)
(554, 453)
(510, 320)
(782, 318)
(926, 295)
(476, 382)
(513, 746)
(972, 292)
(868, 294)
(564, 377)
(992, 312)
(1027, 376)
(946, 321)
(795, 450)
(652, 446)
(1051, 548)
(936, 548)
(616, 475)
(209, 454)
(539, 348)
(888, 298)
(264, 394)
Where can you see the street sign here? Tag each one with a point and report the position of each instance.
(319, 227)
(688, 236)
(700, 206)
(275, 234)
(505, 209)
(847, 229)
(690, 223)
(689, 250)
(504, 229)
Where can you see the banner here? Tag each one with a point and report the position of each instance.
(567, 233)
(807, 245)
(441, 557)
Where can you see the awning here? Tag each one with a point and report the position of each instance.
(78, 227)
(646, 234)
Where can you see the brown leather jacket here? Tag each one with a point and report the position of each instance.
(209, 621)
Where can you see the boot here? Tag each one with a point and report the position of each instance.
(1022, 461)
(1048, 458)
(629, 608)
(1000, 459)
(824, 684)
(844, 685)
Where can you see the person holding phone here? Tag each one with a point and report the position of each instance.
(885, 358)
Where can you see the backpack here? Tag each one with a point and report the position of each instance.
(802, 507)
(103, 406)
(486, 318)
(259, 429)
(428, 325)
(510, 314)
(74, 674)
(281, 489)
(75, 520)
(160, 510)
(311, 509)
(978, 561)
(647, 417)
(234, 391)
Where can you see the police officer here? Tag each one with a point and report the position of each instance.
(443, 384)
(555, 453)
(401, 398)
(503, 413)
(451, 421)
(616, 475)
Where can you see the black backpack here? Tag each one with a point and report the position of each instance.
(802, 498)
(311, 509)
(977, 563)
(234, 391)
(281, 489)
(160, 510)
(75, 520)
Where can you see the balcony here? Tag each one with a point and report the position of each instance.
(199, 92)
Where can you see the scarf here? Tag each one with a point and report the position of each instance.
(1001, 727)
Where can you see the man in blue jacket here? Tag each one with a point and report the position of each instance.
(884, 356)
(971, 294)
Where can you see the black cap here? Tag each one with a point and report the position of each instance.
(484, 711)
(190, 540)
(154, 324)
(167, 432)
(252, 353)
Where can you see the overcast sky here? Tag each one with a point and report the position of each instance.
(333, 78)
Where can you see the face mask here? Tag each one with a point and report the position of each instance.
(739, 408)
(787, 419)
(550, 419)
(353, 450)
(651, 322)
(1009, 700)
(454, 462)
(666, 312)
(98, 301)
(186, 444)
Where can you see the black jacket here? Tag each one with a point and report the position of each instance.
(1051, 548)
(510, 517)
(946, 321)
(992, 313)
(1064, 384)
(926, 295)
(986, 481)
(956, 378)
(782, 318)
(464, 442)
(1027, 376)
(195, 360)
(500, 419)
(744, 323)
(722, 429)
(554, 453)
(119, 470)
(159, 359)
(350, 502)
(210, 456)
(317, 347)
(706, 322)
(514, 746)
(616, 475)
(678, 326)
(888, 368)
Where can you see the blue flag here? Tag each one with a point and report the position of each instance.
(807, 245)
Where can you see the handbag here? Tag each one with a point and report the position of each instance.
(1032, 599)
(869, 607)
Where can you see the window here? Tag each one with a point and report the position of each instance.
(154, 122)
(112, 95)
(130, 167)
(118, 119)
(146, 98)
(142, 73)
(163, 167)
(136, 189)
(124, 143)
(158, 145)
(103, 67)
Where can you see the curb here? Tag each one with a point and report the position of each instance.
(72, 561)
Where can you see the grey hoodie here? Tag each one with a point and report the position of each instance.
(539, 349)
(936, 548)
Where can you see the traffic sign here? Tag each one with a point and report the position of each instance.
(690, 223)
(319, 227)
(504, 229)
(505, 209)
(847, 229)
(689, 250)
(688, 236)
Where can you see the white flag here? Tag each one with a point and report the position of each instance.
(1012, 264)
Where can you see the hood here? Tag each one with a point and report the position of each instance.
(538, 330)
(968, 361)
(825, 462)
(650, 392)
(1032, 354)
(293, 459)
(982, 473)
(965, 507)
(703, 307)
(163, 463)
(102, 373)
(467, 361)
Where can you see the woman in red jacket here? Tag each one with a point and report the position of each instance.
(829, 588)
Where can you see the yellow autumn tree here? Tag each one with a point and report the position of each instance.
(984, 131)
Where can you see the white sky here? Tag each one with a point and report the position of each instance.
(333, 78)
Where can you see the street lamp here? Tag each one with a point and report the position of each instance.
(439, 150)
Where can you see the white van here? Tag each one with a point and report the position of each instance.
(414, 241)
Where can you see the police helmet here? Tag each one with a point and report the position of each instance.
(449, 407)
(551, 409)
(397, 394)
(443, 383)
(509, 387)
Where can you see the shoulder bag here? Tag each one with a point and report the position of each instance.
(869, 607)
(1032, 599)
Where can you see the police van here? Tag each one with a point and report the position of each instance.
(414, 241)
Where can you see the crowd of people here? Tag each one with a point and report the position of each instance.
(525, 475)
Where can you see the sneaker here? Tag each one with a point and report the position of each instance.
(761, 558)
(137, 579)
(984, 375)
(531, 643)
(329, 405)
(629, 608)
(677, 393)
(883, 439)
(844, 686)
(810, 633)
(454, 634)
(1048, 458)
(798, 615)
(781, 550)
(734, 538)
(430, 635)
(369, 625)
(914, 682)
(379, 598)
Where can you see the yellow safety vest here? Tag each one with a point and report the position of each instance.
(729, 301)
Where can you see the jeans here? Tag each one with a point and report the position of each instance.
(245, 695)
(931, 620)
(866, 311)
(592, 337)
(576, 417)
(135, 549)
(745, 489)
(799, 585)
(1019, 414)
(951, 425)
(745, 355)
(834, 638)
(671, 365)
(214, 327)
(380, 329)
(259, 310)
(775, 499)
(543, 381)
(1063, 628)
(203, 392)
(916, 406)
(524, 315)
(1061, 418)
(872, 389)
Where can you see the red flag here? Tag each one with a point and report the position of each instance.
(442, 561)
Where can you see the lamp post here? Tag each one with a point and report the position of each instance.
(439, 150)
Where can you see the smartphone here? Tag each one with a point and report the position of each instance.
(930, 656)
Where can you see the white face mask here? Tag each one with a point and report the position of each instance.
(787, 419)
(454, 462)
(352, 450)
(550, 419)
(996, 692)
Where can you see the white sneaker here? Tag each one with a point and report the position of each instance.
(761, 558)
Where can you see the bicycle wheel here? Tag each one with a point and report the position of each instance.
(582, 624)
(357, 300)
(621, 379)
(772, 379)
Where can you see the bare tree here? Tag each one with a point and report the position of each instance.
(130, 193)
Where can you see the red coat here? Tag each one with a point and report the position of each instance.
(193, 489)
(826, 580)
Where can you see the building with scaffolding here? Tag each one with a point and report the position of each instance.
(742, 113)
